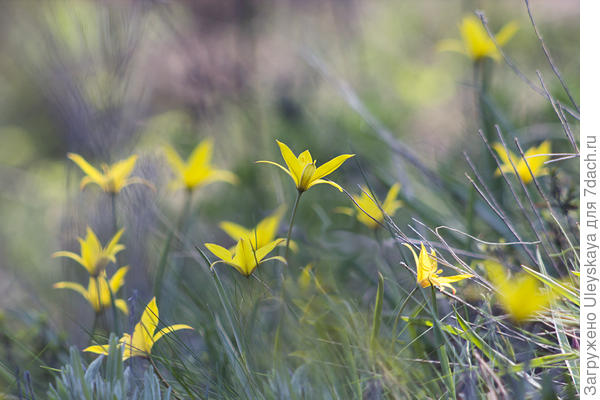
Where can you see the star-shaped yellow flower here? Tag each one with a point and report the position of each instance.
(197, 171)
(93, 256)
(520, 296)
(369, 212)
(536, 157)
(100, 301)
(261, 235)
(303, 170)
(144, 336)
(476, 43)
(428, 272)
(114, 178)
(245, 258)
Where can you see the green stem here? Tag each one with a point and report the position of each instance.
(165, 252)
(289, 233)
(113, 203)
(162, 378)
(94, 326)
(397, 319)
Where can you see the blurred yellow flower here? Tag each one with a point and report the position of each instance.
(197, 171)
(245, 258)
(306, 277)
(536, 157)
(263, 234)
(369, 212)
(100, 301)
(520, 296)
(93, 256)
(428, 272)
(144, 336)
(114, 178)
(303, 170)
(476, 43)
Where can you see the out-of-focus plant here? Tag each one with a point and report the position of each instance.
(475, 42)
(113, 178)
(197, 171)
(372, 213)
(101, 291)
(93, 257)
(521, 296)
(533, 162)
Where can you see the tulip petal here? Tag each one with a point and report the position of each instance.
(219, 251)
(98, 349)
(170, 329)
(506, 33)
(69, 254)
(282, 167)
(320, 181)
(118, 279)
(72, 286)
(452, 45)
(331, 166)
(235, 231)
(174, 160)
(290, 160)
(122, 305)
(95, 175)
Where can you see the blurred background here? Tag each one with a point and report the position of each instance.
(107, 79)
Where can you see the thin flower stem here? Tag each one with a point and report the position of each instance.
(94, 325)
(162, 378)
(397, 319)
(293, 217)
(113, 203)
(165, 252)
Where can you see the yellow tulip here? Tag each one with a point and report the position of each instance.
(140, 343)
(259, 236)
(476, 43)
(98, 292)
(245, 258)
(369, 212)
(114, 178)
(520, 296)
(93, 256)
(428, 272)
(197, 171)
(303, 170)
(535, 156)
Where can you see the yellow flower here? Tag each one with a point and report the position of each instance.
(521, 296)
(245, 258)
(306, 277)
(144, 335)
(369, 212)
(303, 169)
(100, 301)
(197, 171)
(536, 157)
(428, 272)
(93, 256)
(115, 176)
(476, 43)
(263, 234)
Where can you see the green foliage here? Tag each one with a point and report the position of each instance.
(104, 381)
